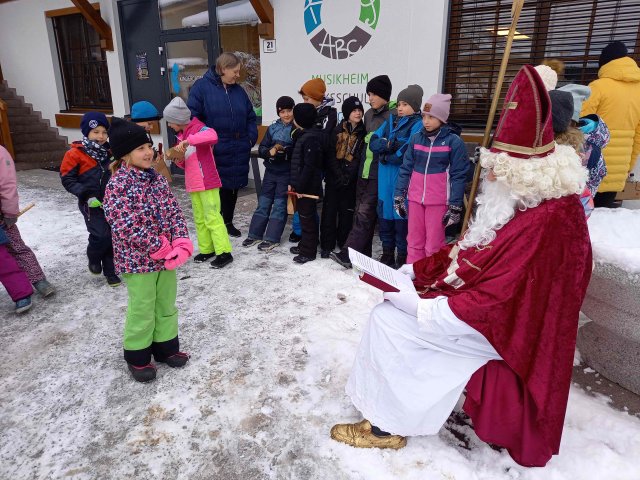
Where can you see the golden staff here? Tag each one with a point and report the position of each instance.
(516, 9)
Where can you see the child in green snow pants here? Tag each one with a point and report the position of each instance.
(152, 316)
(210, 227)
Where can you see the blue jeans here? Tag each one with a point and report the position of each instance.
(270, 217)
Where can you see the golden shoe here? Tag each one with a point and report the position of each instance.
(359, 435)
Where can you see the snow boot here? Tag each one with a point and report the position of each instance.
(233, 231)
(222, 260)
(203, 257)
(325, 253)
(341, 257)
(95, 268)
(113, 280)
(44, 288)
(294, 237)
(301, 259)
(250, 242)
(388, 257)
(177, 360)
(295, 250)
(23, 304)
(267, 246)
(401, 259)
(143, 374)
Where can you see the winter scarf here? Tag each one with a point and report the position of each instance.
(96, 151)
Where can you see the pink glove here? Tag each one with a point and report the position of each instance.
(182, 250)
(163, 251)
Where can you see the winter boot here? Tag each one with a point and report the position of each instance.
(325, 253)
(113, 280)
(177, 360)
(267, 246)
(222, 260)
(23, 304)
(401, 259)
(295, 250)
(388, 257)
(233, 231)
(294, 237)
(203, 257)
(341, 257)
(143, 374)
(250, 242)
(44, 288)
(302, 259)
(95, 268)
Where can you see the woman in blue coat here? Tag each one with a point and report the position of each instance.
(219, 102)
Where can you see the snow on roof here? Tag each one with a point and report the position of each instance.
(615, 237)
(235, 13)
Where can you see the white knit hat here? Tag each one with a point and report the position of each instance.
(177, 112)
(548, 75)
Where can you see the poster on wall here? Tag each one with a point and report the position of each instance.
(142, 66)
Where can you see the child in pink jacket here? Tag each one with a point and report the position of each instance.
(202, 182)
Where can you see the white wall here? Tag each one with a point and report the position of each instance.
(29, 62)
(407, 44)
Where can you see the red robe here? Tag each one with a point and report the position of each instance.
(523, 292)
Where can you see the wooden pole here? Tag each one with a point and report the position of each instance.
(516, 9)
(26, 209)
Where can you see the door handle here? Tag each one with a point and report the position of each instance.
(160, 50)
(162, 70)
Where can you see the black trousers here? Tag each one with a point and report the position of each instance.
(100, 248)
(605, 199)
(309, 243)
(228, 199)
(365, 216)
(338, 208)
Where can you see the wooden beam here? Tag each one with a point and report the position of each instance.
(60, 12)
(97, 22)
(264, 10)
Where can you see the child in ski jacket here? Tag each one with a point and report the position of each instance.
(201, 181)
(390, 142)
(432, 178)
(270, 217)
(14, 280)
(151, 240)
(84, 173)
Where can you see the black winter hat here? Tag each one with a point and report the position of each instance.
(285, 103)
(561, 110)
(124, 137)
(611, 52)
(305, 115)
(380, 86)
(351, 104)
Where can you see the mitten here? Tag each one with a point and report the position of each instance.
(476, 155)
(453, 216)
(93, 202)
(405, 301)
(399, 206)
(407, 269)
(181, 251)
(165, 248)
(9, 221)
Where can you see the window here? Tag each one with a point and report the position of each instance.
(574, 31)
(83, 64)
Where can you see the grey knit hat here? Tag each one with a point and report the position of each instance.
(413, 96)
(177, 112)
(561, 110)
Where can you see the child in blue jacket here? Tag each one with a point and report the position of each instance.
(390, 142)
(432, 177)
(270, 217)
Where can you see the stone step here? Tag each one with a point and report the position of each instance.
(22, 109)
(26, 161)
(28, 127)
(37, 147)
(40, 135)
(24, 120)
(15, 102)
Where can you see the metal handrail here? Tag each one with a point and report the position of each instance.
(5, 133)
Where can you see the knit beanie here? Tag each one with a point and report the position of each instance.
(91, 120)
(413, 96)
(613, 51)
(561, 110)
(177, 112)
(380, 86)
(125, 136)
(144, 112)
(305, 115)
(580, 94)
(285, 103)
(349, 105)
(548, 75)
(314, 88)
(438, 105)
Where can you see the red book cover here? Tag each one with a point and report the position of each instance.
(376, 282)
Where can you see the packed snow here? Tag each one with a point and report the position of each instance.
(615, 237)
(272, 344)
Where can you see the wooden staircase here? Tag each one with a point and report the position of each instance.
(35, 143)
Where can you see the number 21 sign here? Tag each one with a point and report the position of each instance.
(268, 46)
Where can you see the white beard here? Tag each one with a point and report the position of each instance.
(496, 206)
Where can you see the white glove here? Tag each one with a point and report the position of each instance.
(407, 269)
(405, 301)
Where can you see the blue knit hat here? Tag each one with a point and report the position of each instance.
(91, 120)
(144, 112)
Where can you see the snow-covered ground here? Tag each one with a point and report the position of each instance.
(615, 237)
(272, 343)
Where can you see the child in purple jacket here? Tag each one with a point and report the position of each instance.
(202, 182)
(150, 240)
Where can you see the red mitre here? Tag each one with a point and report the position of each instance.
(525, 128)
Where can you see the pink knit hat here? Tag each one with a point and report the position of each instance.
(438, 106)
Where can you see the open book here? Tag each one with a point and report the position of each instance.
(380, 275)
